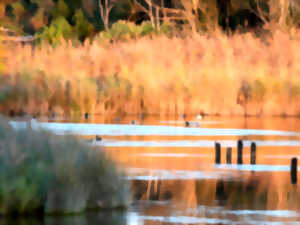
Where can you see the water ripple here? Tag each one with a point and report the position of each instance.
(144, 130)
(194, 143)
(133, 218)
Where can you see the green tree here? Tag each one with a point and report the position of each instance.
(82, 26)
(61, 9)
(59, 29)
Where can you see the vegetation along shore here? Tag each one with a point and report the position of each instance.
(43, 174)
(155, 57)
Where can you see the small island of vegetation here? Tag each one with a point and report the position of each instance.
(44, 174)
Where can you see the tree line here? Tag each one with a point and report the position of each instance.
(84, 18)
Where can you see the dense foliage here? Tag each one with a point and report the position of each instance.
(53, 20)
(42, 173)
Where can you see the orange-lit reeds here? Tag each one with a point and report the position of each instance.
(213, 74)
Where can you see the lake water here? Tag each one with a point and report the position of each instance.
(174, 176)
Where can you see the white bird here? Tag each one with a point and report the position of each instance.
(199, 117)
(33, 123)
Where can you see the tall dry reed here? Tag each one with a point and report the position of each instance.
(214, 74)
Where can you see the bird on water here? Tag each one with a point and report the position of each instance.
(194, 123)
(98, 138)
(199, 117)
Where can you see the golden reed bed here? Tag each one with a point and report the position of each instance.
(212, 74)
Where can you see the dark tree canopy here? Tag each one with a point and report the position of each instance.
(82, 18)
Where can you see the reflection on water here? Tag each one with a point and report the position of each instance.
(191, 143)
(257, 168)
(153, 174)
(172, 155)
(252, 199)
(198, 220)
(181, 122)
(144, 130)
(174, 178)
(191, 155)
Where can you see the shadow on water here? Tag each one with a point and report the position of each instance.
(239, 194)
(254, 194)
(248, 193)
(90, 218)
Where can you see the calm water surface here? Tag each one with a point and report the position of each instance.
(173, 175)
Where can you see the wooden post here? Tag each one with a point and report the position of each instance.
(240, 152)
(218, 153)
(228, 155)
(294, 170)
(253, 154)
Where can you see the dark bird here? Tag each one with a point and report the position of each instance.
(117, 119)
(191, 124)
(133, 122)
(187, 123)
(98, 138)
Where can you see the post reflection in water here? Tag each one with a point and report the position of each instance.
(251, 197)
(256, 191)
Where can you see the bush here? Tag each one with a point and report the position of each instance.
(82, 26)
(42, 173)
(122, 30)
(2, 54)
(58, 30)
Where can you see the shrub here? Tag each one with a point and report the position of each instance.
(43, 173)
(61, 9)
(58, 30)
(2, 53)
(123, 30)
(82, 26)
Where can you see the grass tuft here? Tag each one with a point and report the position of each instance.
(42, 173)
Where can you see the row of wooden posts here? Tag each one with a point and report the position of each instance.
(239, 153)
(293, 169)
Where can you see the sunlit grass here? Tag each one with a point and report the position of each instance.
(43, 174)
(214, 74)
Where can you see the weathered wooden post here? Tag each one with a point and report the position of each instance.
(228, 155)
(217, 153)
(253, 153)
(294, 170)
(239, 152)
